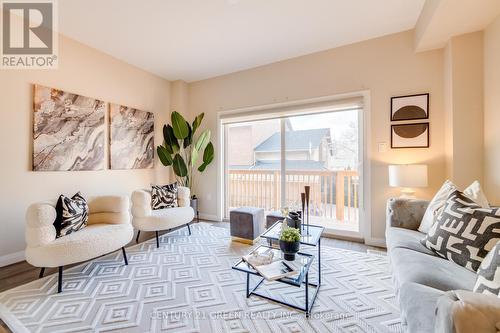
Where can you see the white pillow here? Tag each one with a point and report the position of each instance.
(473, 191)
(436, 203)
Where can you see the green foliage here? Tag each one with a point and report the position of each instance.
(290, 235)
(182, 149)
(208, 157)
(203, 140)
(164, 155)
(179, 165)
(197, 121)
(171, 143)
(189, 139)
(180, 125)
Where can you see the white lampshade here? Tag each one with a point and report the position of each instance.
(408, 175)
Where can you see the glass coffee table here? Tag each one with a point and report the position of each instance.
(311, 236)
(302, 261)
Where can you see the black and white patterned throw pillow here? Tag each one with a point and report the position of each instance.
(72, 214)
(488, 274)
(163, 196)
(464, 232)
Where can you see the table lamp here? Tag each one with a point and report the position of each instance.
(407, 177)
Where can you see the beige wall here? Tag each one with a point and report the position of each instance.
(179, 97)
(386, 66)
(492, 111)
(448, 110)
(463, 77)
(88, 72)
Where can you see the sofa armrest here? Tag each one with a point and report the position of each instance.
(405, 213)
(40, 228)
(141, 203)
(183, 196)
(462, 311)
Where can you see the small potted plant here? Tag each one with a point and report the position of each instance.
(290, 242)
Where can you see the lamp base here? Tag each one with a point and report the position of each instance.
(407, 193)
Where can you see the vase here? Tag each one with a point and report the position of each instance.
(293, 220)
(289, 249)
(194, 204)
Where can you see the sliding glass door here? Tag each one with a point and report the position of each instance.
(250, 179)
(322, 152)
(268, 163)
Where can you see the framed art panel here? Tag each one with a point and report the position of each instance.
(410, 135)
(68, 131)
(411, 107)
(131, 138)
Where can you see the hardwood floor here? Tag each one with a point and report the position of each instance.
(20, 273)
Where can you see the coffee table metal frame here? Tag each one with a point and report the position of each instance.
(303, 279)
(310, 237)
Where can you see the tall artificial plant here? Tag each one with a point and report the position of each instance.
(182, 148)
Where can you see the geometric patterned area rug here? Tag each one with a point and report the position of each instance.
(187, 285)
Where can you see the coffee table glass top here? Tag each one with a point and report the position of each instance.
(302, 261)
(311, 238)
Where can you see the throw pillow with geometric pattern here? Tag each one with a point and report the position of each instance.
(72, 214)
(163, 196)
(488, 274)
(464, 232)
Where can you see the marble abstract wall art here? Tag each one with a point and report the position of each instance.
(131, 138)
(410, 107)
(68, 131)
(410, 135)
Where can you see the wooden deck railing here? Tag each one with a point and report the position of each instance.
(334, 194)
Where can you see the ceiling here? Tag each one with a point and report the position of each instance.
(443, 19)
(192, 40)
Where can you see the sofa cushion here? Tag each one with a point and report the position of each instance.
(463, 311)
(406, 238)
(405, 213)
(488, 274)
(464, 232)
(164, 196)
(72, 214)
(91, 242)
(435, 205)
(418, 307)
(476, 193)
(164, 219)
(412, 266)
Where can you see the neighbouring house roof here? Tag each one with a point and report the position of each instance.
(276, 165)
(295, 140)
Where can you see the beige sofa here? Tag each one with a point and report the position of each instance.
(108, 230)
(146, 219)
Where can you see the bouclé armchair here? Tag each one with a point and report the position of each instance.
(108, 230)
(147, 219)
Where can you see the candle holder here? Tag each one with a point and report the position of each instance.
(303, 199)
(307, 190)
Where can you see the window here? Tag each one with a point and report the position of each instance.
(269, 160)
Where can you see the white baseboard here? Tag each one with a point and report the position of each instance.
(380, 242)
(209, 217)
(11, 258)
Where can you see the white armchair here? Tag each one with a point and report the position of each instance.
(146, 219)
(108, 230)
